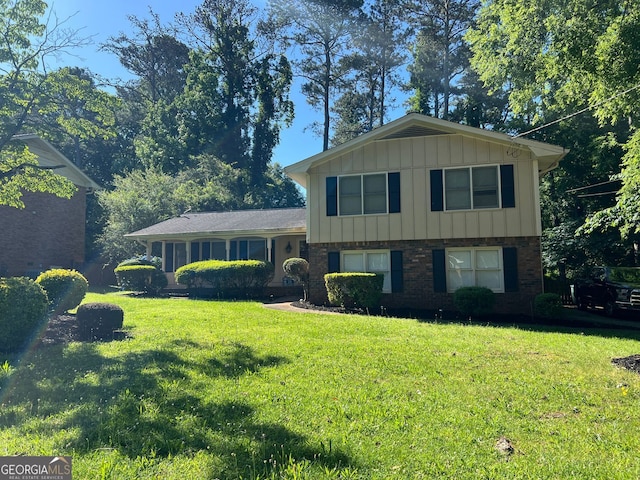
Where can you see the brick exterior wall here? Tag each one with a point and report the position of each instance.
(418, 292)
(50, 231)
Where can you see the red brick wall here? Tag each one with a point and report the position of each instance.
(50, 231)
(418, 272)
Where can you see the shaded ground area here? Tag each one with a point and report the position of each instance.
(631, 362)
(63, 329)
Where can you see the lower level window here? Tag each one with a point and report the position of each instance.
(369, 261)
(481, 267)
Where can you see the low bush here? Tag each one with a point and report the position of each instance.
(350, 290)
(298, 268)
(98, 321)
(225, 279)
(141, 274)
(548, 305)
(474, 301)
(65, 288)
(23, 310)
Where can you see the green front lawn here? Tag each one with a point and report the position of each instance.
(205, 390)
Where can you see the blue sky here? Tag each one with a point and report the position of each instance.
(101, 19)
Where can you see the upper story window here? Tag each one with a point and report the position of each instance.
(469, 188)
(367, 194)
(362, 194)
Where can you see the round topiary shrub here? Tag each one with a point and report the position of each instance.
(474, 301)
(141, 274)
(23, 309)
(548, 305)
(298, 268)
(65, 288)
(98, 321)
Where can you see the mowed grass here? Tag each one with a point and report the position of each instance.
(205, 390)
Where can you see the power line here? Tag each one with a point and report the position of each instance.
(571, 115)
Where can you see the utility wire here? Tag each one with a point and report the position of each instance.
(571, 115)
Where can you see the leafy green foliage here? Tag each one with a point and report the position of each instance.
(23, 310)
(98, 320)
(226, 279)
(548, 305)
(474, 301)
(354, 289)
(65, 288)
(141, 278)
(298, 268)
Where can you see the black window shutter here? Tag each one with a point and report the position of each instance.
(394, 192)
(397, 280)
(273, 252)
(510, 265)
(437, 199)
(332, 196)
(334, 262)
(508, 189)
(168, 261)
(195, 251)
(439, 271)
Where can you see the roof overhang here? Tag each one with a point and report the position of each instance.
(49, 156)
(415, 125)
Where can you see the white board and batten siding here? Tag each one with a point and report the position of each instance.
(414, 158)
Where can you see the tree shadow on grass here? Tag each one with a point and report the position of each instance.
(138, 405)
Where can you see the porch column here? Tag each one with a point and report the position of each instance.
(164, 256)
(187, 246)
(269, 250)
(227, 246)
(148, 244)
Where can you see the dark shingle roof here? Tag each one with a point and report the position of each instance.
(279, 219)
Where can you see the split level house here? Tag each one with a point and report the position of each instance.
(429, 204)
(50, 231)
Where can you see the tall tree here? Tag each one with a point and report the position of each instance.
(237, 85)
(320, 31)
(378, 45)
(26, 85)
(440, 52)
(558, 58)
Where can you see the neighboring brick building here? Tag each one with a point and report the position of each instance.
(433, 206)
(49, 231)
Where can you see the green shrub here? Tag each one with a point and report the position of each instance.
(548, 305)
(362, 290)
(298, 268)
(65, 288)
(23, 309)
(474, 301)
(141, 274)
(233, 279)
(98, 321)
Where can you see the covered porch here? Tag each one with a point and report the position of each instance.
(269, 235)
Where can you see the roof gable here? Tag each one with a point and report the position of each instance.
(417, 125)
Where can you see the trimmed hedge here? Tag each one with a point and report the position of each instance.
(474, 301)
(354, 289)
(141, 274)
(98, 321)
(548, 305)
(23, 310)
(225, 279)
(65, 288)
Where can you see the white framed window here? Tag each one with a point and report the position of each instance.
(362, 194)
(481, 267)
(369, 261)
(472, 188)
